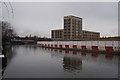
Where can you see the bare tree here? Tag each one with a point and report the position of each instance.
(7, 32)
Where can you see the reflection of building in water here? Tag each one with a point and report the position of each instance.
(100, 59)
(56, 54)
(72, 63)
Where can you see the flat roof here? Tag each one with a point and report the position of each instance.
(90, 31)
(73, 16)
(57, 29)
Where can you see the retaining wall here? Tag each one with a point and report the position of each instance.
(83, 45)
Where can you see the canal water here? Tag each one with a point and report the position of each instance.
(35, 62)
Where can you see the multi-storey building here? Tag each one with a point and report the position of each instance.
(57, 34)
(90, 34)
(73, 30)
(72, 27)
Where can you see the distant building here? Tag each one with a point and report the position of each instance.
(57, 34)
(90, 35)
(73, 30)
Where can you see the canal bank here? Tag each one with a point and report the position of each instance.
(111, 47)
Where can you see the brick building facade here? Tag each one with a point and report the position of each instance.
(90, 34)
(57, 34)
(73, 30)
(72, 27)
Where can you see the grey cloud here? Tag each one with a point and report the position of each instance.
(39, 18)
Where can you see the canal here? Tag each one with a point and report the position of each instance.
(25, 61)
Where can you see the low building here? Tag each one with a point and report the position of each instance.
(57, 34)
(90, 34)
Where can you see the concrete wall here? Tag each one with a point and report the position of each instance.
(87, 45)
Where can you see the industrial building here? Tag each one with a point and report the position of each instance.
(73, 30)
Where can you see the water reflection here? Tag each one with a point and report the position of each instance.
(60, 51)
(72, 60)
(56, 50)
(31, 61)
(9, 53)
(94, 55)
(83, 54)
(30, 47)
(109, 56)
(71, 64)
(66, 51)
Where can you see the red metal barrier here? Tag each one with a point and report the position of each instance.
(83, 47)
(109, 48)
(60, 45)
(48, 45)
(51, 45)
(94, 47)
(66, 46)
(56, 45)
(74, 46)
(45, 44)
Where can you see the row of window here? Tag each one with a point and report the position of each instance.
(72, 23)
(90, 36)
(73, 30)
(90, 33)
(72, 20)
(73, 26)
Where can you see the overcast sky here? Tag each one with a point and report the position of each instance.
(39, 18)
